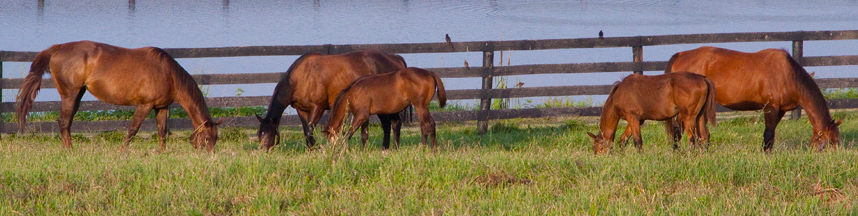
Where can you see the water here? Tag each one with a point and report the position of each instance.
(34, 26)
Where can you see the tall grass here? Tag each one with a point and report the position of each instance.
(521, 167)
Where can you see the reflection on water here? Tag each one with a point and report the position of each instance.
(33, 26)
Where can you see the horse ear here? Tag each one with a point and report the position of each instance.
(838, 122)
(220, 121)
(592, 135)
(258, 118)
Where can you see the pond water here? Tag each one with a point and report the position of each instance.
(35, 25)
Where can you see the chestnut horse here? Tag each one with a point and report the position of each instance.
(147, 77)
(770, 80)
(688, 97)
(312, 83)
(386, 95)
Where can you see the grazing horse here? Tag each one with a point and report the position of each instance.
(770, 80)
(147, 77)
(688, 97)
(312, 83)
(386, 95)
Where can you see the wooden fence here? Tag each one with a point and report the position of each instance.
(487, 72)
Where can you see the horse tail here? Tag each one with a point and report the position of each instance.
(442, 95)
(709, 108)
(32, 84)
(670, 62)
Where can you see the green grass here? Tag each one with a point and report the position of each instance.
(521, 167)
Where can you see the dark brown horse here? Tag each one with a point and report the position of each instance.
(688, 97)
(770, 80)
(386, 95)
(312, 83)
(147, 77)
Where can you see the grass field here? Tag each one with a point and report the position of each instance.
(521, 167)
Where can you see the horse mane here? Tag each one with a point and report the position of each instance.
(807, 87)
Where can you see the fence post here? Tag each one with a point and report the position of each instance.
(485, 96)
(637, 54)
(1, 92)
(797, 49)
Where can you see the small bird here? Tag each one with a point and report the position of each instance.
(601, 35)
(466, 65)
(448, 40)
(519, 85)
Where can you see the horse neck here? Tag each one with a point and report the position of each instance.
(192, 100)
(337, 116)
(816, 108)
(608, 122)
(275, 110)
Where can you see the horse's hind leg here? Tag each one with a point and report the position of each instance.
(773, 117)
(70, 103)
(385, 128)
(139, 115)
(161, 118)
(427, 125)
(674, 131)
(364, 133)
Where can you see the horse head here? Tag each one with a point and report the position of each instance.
(600, 144)
(205, 135)
(268, 134)
(830, 135)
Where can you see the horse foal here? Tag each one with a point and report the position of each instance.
(386, 95)
(688, 97)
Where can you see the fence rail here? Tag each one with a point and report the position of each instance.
(485, 93)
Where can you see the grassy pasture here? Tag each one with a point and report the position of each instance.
(522, 166)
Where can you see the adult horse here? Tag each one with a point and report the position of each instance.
(770, 80)
(386, 95)
(688, 97)
(311, 85)
(147, 77)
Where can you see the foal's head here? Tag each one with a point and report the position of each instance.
(268, 134)
(600, 143)
(830, 135)
(205, 135)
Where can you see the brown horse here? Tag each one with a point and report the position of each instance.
(312, 83)
(770, 80)
(688, 97)
(147, 77)
(386, 95)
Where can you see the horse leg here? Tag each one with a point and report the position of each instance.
(385, 127)
(314, 116)
(70, 103)
(703, 131)
(635, 127)
(427, 125)
(139, 115)
(161, 118)
(396, 123)
(360, 119)
(690, 125)
(773, 117)
(308, 130)
(674, 130)
(364, 133)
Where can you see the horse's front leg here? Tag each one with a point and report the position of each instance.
(364, 133)
(308, 129)
(634, 128)
(161, 117)
(139, 115)
(773, 117)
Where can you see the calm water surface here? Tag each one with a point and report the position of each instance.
(34, 26)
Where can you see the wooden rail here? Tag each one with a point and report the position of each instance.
(485, 93)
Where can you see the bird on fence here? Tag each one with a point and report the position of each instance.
(601, 35)
(447, 36)
(466, 65)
